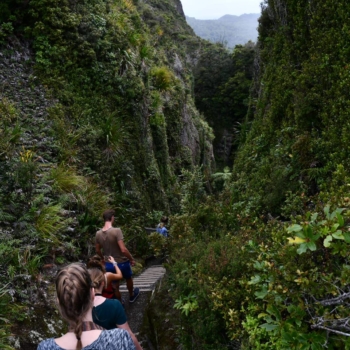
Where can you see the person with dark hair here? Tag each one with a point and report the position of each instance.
(75, 296)
(161, 229)
(108, 313)
(110, 241)
(109, 286)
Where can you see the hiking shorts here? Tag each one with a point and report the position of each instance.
(125, 268)
(110, 267)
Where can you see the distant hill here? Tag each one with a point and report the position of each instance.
(232, 30)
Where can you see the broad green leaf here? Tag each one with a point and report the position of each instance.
(269, 327)
(308, 232)
(338, 235)
(258, 265)
(269, 319)
(334, 227)
(336, 212)
(262, 293)
(316, 346)
(327, 241)
(300, 234)
(273, 310)
(340, 220)
(340, 210)
(326, 211)
(311, 246)
(287, 337)
(294, 228)
(314, 216)
(254, 280)
(302, 248)
(346, 237)
(291, 308)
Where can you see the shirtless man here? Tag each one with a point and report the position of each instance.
(109, 242)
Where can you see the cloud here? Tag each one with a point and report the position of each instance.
(213, 9)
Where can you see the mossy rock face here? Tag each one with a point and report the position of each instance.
(160, 321)
(42, 319)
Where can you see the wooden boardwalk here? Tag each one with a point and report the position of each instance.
(147, 280)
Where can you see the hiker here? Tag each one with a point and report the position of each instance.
(110, 241)
(161, 229)
(75, 296)
(108, 313)
(109, 287)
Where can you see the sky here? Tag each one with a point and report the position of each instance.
(214, 9)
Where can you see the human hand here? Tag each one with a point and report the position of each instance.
(132, 262)
(111, 259)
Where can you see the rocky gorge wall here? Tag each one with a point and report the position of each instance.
(95, 112)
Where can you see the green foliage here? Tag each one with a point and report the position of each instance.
(299, 120)
(8, 250)
(330, 228)
(25, 175)
(107, 96)
(113, 137)
(192, 189)
(50, 222)
(163, 78)
(27, 263)
(153, 217)
(268, 259)
(92, 199)
(222, 86)
(4, 322)
(187, 304)
(158, 244)
(10, 130)
(258, 285)
(222, 178)
(65, 179)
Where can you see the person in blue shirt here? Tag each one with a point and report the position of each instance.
(161, 229)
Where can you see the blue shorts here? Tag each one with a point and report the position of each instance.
(110, 267)
(125, 268)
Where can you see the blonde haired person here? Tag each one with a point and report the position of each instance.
(108, 313)
(75, 296)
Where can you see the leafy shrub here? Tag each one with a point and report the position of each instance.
(163, 78)
(4, 322)
(158, 244)
(192, 189)
(10, 130)
(65, 179)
